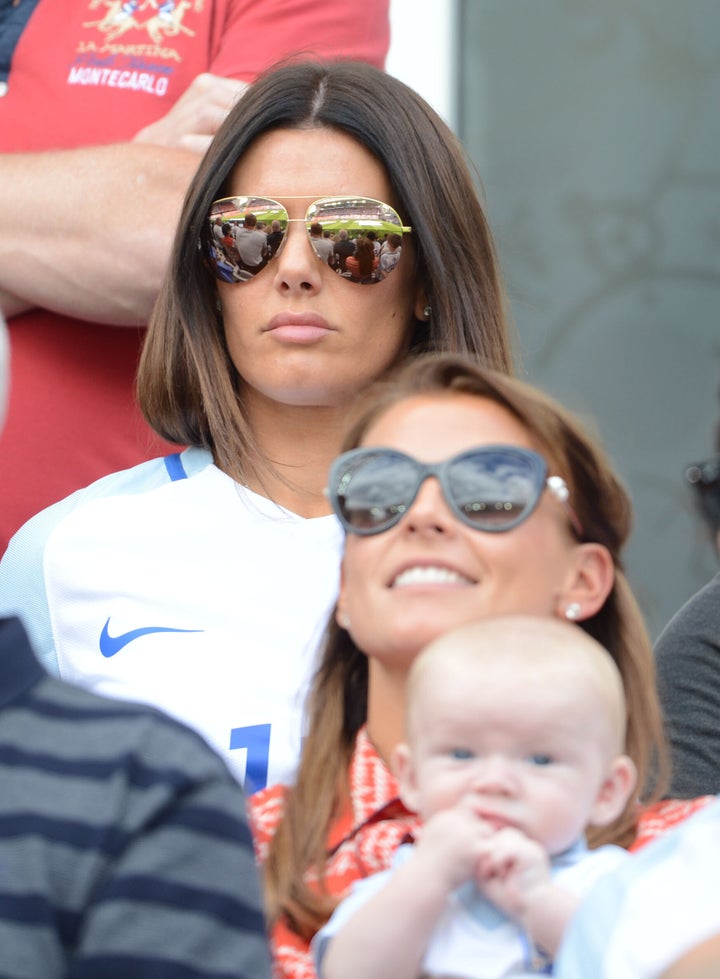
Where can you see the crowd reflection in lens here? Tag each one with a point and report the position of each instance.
(242, 242)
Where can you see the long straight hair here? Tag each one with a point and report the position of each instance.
(188, 386)
(337, 705)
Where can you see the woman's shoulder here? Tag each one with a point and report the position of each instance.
(23, 567)
(662, 816)
(136, 481)
(697, 619)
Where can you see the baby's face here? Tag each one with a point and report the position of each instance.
(531, 755)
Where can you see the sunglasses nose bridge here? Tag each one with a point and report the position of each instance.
(296, 252)
(296, 229)
(429, 505)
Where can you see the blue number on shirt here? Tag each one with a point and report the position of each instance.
(256, 739)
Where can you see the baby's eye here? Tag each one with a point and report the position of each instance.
(540, 759)
(461, 754)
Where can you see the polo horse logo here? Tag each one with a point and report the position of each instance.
(120, 17)
(168, 22)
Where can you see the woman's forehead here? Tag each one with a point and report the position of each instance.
(439, 425)
(309, 163)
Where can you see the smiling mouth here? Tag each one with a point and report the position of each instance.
(429, 575)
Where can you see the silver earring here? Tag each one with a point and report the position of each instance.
(427, 312)
(218, 305)
(345, 620)
(572, 611)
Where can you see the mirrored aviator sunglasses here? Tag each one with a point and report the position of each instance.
(360, 238)
(490, 488)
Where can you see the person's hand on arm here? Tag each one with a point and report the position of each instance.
(513, 872)
(196, 116)
(87, 232)
(387, 937)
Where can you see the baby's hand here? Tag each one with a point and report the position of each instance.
(451, 843)
(510, 871)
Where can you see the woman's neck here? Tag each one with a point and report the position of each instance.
(386, 708)
(299, 443)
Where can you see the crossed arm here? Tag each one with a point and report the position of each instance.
(87, 232)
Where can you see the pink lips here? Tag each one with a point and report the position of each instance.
(298, 327)
(497, 822)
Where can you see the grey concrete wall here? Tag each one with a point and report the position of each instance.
(595, 126)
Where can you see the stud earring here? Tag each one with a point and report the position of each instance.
(427, 312)
(572, 611)
(345, 620)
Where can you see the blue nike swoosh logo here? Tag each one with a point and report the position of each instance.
(109, 645)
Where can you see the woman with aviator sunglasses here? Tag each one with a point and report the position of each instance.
(464, 494)
(201, 582)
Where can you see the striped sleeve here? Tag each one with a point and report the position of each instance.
(124, 846)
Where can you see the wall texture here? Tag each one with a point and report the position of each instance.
(595, 127)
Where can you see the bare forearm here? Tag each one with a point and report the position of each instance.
(387, 937)
(11, 305)
(87, 232)
(546, 916)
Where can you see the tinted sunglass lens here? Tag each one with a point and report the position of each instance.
(245, 233)
(492, 490)
(366, 231)
(375, 492)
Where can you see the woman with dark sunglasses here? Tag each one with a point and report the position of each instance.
(464, 494)
(201, 582)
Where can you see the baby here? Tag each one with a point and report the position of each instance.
(515, 734)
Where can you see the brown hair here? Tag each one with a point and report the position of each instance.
(338, 698)
(188, 386)
(365, 255)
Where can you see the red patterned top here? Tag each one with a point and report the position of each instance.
(663, 816)
(361, 842)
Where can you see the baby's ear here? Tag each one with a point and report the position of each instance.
(614, 792)
(403, 769)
